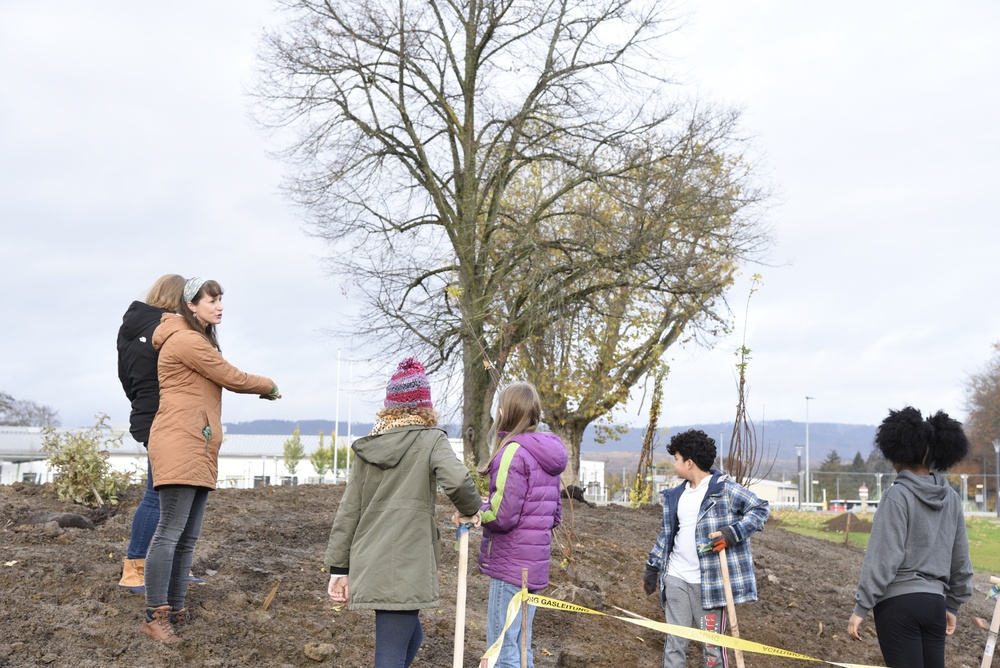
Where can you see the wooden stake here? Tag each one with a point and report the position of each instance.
(991, 638)
(847, 531)
(731, 607)
(524, 619)
(270, 597)
(463, 566)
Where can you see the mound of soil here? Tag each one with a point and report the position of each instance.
(847, 522)
(61, 605)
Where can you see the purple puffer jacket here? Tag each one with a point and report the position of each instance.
(522, 509)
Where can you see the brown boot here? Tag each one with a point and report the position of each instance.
(133, 575)
(156, 624)
(180, 617)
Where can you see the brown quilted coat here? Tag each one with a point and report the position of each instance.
(192, 374)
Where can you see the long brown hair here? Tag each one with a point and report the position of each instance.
(212, 289)
(166, 291)
(519, 410)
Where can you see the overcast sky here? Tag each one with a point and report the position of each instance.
(128, 152)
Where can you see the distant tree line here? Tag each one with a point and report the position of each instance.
(841, 479)
(23, 413)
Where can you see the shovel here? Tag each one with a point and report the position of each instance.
(463, 567)
(991, 639)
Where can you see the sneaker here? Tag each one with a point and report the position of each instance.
(193, 579)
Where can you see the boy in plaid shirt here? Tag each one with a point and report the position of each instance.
(706, 513)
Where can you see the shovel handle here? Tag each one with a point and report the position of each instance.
(463, 566)
(734, 627)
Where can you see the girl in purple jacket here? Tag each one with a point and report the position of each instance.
(519, 514)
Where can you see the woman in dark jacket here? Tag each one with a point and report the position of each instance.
(137, 372)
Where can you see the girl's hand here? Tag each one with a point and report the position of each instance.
(950, 623)
(854, 627)
(474, 520)
(337, 589)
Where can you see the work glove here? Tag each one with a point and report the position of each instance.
(726, 540)
(272, 395)
(650, 579)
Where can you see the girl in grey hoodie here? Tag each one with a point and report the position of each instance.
(916, 571)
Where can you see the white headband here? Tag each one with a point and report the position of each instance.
(192, 287)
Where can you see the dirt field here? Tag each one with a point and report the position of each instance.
(60, 605)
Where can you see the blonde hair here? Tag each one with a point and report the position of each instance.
(519, 410)
(166, 291)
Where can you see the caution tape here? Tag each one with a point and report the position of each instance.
(683, 631)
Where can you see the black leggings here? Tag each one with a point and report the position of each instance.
(911, 629)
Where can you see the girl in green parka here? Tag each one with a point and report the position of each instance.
(384, 541)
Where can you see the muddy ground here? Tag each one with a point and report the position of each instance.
(60, 606)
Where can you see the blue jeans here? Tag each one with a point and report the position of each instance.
(182, 509)
(397, 637)
(146, 517)
(501, 594)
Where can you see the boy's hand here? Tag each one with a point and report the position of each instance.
(650, 579)
(722, 539)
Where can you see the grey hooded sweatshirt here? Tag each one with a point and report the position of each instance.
(918, 545)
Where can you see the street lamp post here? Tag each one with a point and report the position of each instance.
(996, 450)
(798, 494)
(965, 492)
(808, 477)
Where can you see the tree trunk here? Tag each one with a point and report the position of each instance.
(478, 389)
(572, 436)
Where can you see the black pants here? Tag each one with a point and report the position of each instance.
(910, 630)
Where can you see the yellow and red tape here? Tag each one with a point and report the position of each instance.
(683, 631)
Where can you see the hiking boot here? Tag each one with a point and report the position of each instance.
(156, 624)
(180, 617)
(133, 575)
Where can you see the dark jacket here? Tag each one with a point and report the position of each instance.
(137, 366)
(522, 509)
(384, 536)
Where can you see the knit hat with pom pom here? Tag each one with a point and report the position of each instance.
(408, 387)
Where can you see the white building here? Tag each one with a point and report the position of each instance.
(245, 460)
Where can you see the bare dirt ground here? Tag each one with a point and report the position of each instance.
(61, 606)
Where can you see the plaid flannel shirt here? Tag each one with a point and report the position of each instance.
(726, 503)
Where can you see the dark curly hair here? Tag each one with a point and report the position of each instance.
(696, 445)
(906, 438)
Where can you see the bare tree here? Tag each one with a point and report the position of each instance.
(982, 401)
(411, 120)
(22, 413)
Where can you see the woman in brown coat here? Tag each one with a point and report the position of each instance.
(184, 444)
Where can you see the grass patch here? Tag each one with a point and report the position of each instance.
(984, 535)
